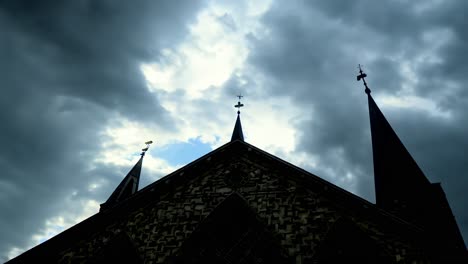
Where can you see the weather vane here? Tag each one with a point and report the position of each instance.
(148, 143)
(239, 105)
(362, 75)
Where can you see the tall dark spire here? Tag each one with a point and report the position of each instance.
(402, 188)
(129, 185)
(399, 182)
(395, 170)
(237, 132)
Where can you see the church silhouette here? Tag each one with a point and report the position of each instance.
(240, 204)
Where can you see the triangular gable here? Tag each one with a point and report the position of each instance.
(231, 234)
(236, 152)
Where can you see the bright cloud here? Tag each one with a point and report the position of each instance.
(415, 103)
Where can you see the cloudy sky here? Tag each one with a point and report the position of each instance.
(85, 83)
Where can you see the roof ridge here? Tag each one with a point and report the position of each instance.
(287, 164)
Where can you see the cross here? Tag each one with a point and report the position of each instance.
(362, 75)
(239, 105)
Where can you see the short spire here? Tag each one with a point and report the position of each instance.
(237, 132)
(362, 76)
(129, 185)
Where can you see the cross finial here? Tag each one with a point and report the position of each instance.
(148, 143)
(239, 105)
(362, 75)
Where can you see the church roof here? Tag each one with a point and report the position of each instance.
(218, 161)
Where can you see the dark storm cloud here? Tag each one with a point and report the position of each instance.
(68, 67)
(311, 53)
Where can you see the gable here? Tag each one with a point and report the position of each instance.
(231, 234)
(288, 205)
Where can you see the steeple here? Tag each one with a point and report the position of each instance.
(237, 132)
(402, 188)
(400, 185)
(129, 185)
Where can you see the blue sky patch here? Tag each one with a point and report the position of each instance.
(183, 152)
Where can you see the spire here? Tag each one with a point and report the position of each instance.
(402, 188)
(400, 185)
(129, 185)
(237, 132)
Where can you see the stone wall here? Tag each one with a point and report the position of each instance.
(299, 217)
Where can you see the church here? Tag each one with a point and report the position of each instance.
(240, 204)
